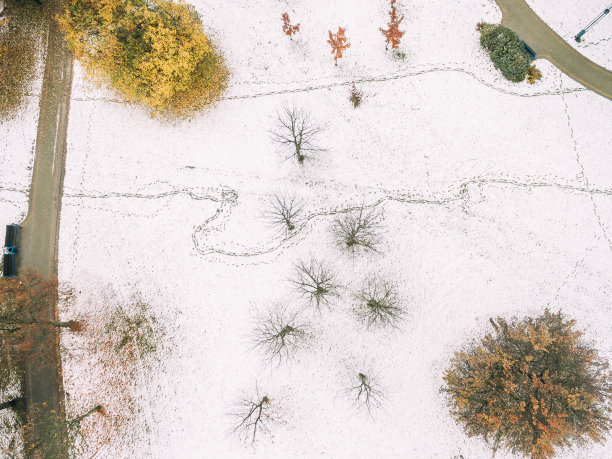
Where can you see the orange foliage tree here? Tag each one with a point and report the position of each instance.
(338, 43)
(392, 33)
(531, 386)
(287, 27)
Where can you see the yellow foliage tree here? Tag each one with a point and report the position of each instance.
(531, 386)
(152, 52)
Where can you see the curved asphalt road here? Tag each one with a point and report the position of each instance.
(518, 16)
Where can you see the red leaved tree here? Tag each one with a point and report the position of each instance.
(338, 43)
(287, 27)
(393, 34)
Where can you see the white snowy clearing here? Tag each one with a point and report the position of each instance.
(497, 200)
(569, 18)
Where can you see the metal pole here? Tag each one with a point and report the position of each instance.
(592, 23)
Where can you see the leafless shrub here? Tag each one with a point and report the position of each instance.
(296, 132)
(365, 391)
(253, 416)
(316, 282)
(356, 96)
(378, 303)
(279, 334)
(284, 211)
(133, 331)
(358, 229)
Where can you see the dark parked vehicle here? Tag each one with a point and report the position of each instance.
(9, 258)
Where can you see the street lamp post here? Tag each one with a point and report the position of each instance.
(592, 23)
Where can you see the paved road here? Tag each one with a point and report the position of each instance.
(39, 236)
(548, 45)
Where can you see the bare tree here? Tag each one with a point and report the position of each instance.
(254, 415)
(358, 229)
(365, 390)
(378, 303)
(315, 281)
(284, 211)
(297, 132)
(279, 334)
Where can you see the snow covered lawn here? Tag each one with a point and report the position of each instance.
(497, 200)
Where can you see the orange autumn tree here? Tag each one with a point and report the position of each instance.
(531, 386)
(338, 43)
(392, 33)
(287, 27)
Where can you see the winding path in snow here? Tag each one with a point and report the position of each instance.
(547, 44)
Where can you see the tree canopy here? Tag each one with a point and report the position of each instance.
(152, 52)
(531, 386)
(506, 50)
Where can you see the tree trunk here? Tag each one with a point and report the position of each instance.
(78, 419)
(16, 403)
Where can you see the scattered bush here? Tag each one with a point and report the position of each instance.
(338, 43)
(316, 282)
(358, 229)
(133, 331)
(356, 96)
(289, 29)
(152, 52)
(531, 386)
(392, 33)
(506, 50)
(479, 26)
(398, 55)
(533, 75)
(378, 303)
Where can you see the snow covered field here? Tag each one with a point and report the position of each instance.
(17, 142)
(569, 18)
(497, 200)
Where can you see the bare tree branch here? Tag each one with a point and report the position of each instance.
(296, 132)
(285, 211)
(316, 282)
(378, 303)
(359, 229)
(253, 416)
(279, 334)
(365, 391)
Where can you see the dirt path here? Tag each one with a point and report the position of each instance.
(39, 237)
(548, 45)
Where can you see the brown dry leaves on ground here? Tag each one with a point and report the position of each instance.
(119, 347)
(22, 25)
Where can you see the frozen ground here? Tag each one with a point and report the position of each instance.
(497, 201)
(569, 18)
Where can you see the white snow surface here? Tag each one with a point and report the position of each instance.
(497, 200)
(569, 18)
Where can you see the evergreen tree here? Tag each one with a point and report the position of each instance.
(506, 51)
